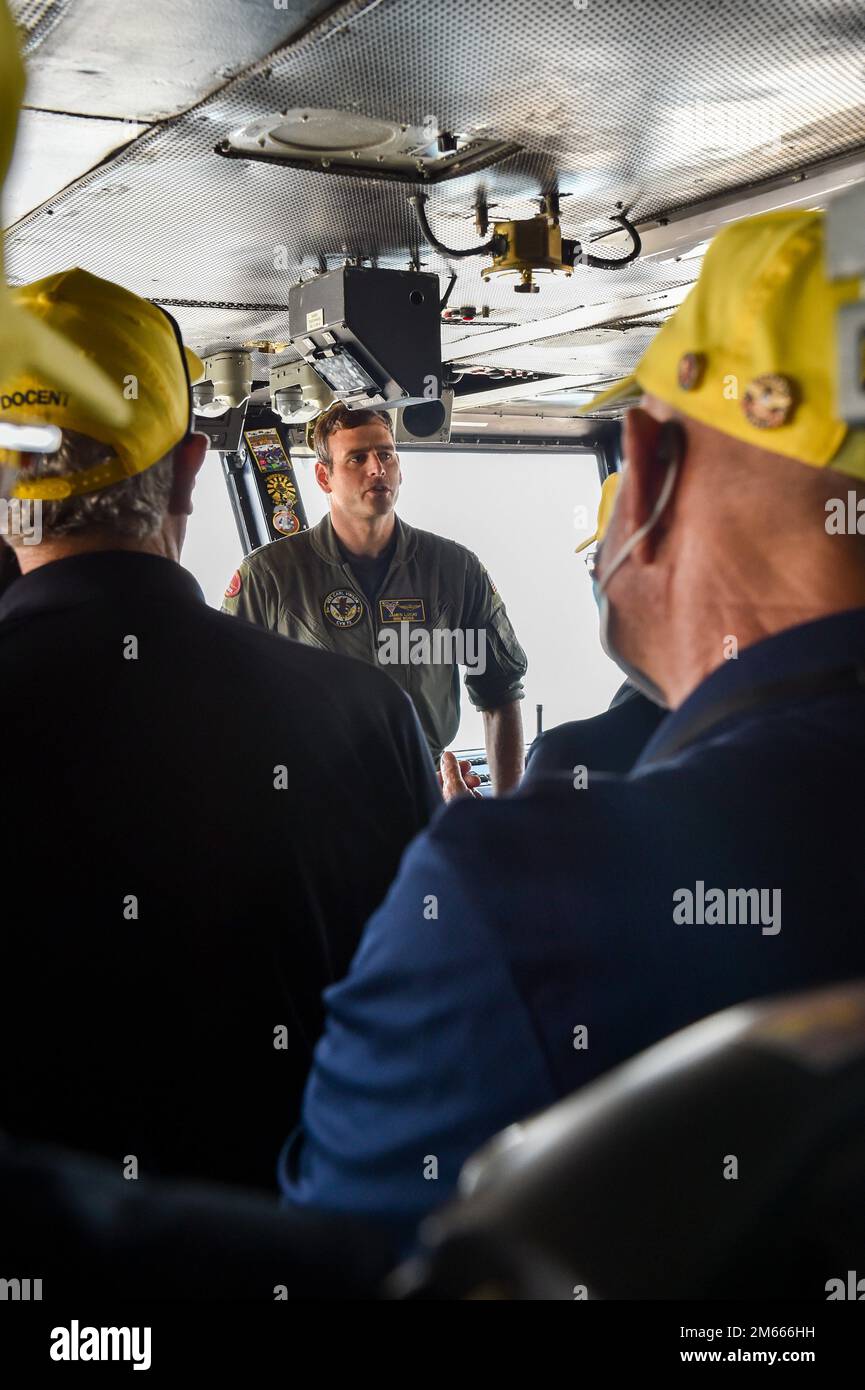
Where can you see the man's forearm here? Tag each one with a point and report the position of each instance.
(503, 736)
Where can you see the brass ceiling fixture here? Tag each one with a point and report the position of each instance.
(524, 247)
(266, 345)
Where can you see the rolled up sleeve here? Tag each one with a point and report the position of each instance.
(500, 682)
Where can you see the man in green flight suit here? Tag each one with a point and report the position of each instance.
(364, 584)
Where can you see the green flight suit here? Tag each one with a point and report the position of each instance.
(302, 587)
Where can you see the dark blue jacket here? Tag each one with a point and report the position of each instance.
(555, 912)
(609, 742)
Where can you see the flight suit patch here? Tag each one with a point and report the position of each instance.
(267, 450)
(235, 584)
(285, 521)
(343, 607)
(280, 488)
(402, 610)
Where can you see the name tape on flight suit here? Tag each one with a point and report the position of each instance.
(402, 610)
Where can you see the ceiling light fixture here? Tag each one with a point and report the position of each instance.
(346, 142)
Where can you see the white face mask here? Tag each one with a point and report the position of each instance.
(638, 678)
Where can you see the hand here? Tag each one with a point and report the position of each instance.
(456, 778)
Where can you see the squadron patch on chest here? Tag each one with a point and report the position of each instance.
(343, 607)
(402, 610)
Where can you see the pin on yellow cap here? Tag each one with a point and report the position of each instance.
(136, 345)
(26, 343)
(609, 489)
(752, 350)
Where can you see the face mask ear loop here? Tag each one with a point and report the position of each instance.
(657, 512)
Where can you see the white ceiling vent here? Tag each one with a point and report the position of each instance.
(344, 142)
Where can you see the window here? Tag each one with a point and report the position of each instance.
(212, 550)
(520, 513)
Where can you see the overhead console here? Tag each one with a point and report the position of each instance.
(373, 336)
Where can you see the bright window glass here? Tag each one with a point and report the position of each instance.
(212, 550)
(523, 515)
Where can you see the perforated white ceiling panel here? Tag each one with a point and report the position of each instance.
(656, 106)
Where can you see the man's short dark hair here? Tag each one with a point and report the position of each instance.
(339, 417)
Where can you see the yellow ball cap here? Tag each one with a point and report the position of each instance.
(752, 350)
(136, 345)
(26, 344)
(609, 488)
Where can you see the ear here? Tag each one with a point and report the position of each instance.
(322, 477)
(188, 457)
(649, 447)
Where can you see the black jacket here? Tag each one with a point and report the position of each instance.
(73, 1224)
(173, 903)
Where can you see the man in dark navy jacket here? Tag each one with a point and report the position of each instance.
(532, 942)
(198, 816)
(607, 742)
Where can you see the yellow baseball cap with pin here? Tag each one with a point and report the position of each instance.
(752, 350)
(29, 344)
(138, 345)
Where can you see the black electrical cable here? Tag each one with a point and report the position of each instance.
(491, 247)
(599, 263)
(496, 244)
(443, 304)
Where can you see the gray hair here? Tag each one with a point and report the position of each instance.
(133, 508)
